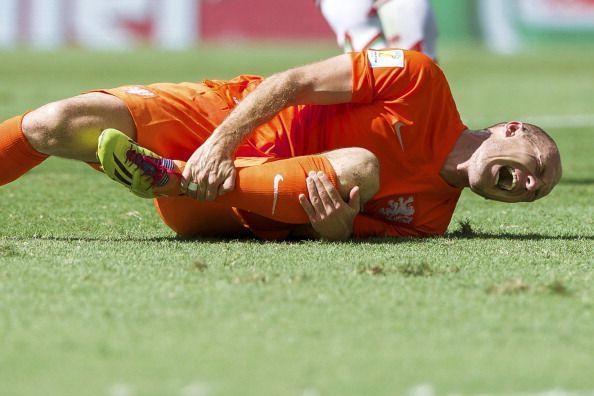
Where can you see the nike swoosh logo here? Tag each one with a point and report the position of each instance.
(277, 180)
(397, 126)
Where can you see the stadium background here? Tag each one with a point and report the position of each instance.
(504, 24)
(98, 297)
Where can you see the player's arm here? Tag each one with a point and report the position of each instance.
(210, 172)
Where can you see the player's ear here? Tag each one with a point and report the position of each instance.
(512, 127)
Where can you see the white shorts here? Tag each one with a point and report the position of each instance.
(360, 24)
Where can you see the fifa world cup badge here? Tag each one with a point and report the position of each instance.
(386, 58)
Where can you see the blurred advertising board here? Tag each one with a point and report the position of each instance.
(263, 19)
(164, 23)
(557, 14)
(510, 25)
(505, 25)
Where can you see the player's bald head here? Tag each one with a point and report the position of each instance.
(545, 149)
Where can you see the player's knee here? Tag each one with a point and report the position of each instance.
(46, 127)
(356, 166)
(366, 174)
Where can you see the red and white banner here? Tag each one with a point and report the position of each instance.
(263, 19)
(166, 23)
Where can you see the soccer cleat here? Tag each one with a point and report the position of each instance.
(143, 172)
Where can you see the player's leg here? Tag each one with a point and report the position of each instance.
(68, 128)
(272, 189)
(355, 166)
(266, 187)
(17, 156)
(409, 24)
(355, 24)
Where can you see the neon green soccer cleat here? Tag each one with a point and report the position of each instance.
(135, 167)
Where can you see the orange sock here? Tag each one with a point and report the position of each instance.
(270, 189)
(17, 156)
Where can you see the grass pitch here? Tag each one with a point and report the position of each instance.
(97, 297)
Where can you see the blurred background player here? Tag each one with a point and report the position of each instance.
(361, 24)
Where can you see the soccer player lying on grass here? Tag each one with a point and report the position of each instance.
(359, 145)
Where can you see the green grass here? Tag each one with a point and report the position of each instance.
(97, 297)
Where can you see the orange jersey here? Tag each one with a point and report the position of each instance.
(402, 110)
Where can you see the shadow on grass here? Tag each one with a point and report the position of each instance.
(464, 232)
(486, 236)
(577, 181)
(520, 237)
(158, 239)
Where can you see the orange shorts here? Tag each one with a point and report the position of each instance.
(173, 119)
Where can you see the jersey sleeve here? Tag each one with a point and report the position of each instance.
(391, 74)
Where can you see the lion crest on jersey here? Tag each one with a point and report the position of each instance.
(399, 211)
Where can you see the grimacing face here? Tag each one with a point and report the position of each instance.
(515, 164)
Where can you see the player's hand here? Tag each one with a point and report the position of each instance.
(209, 173)
(330, 216)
